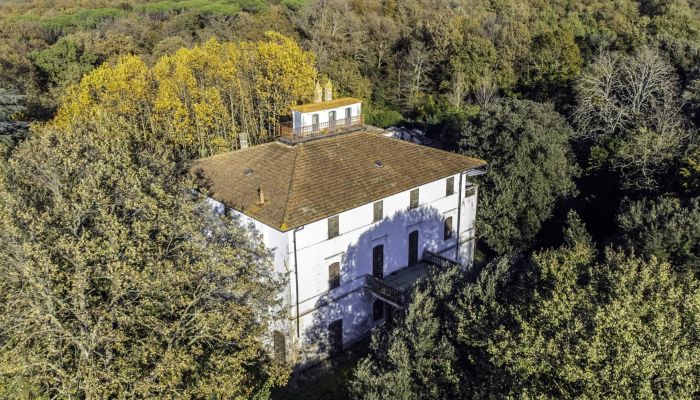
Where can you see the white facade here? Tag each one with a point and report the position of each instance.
(307, 252)
(306, 119)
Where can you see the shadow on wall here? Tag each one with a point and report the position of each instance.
(380, 250)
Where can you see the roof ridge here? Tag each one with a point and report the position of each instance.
(429, 148)
(230, 151)
(289, 191)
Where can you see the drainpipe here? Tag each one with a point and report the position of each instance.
(296, 277)
(459, 214)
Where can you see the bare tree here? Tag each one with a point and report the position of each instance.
(633, 103)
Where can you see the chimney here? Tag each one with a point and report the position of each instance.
(243, 139)
(327, 90)
(261, 196)
(318, 93)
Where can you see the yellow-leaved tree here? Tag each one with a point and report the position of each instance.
(203, 100)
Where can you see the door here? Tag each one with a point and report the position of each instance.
(348, 116)
(331, 120)
(413, 248)
(314, 123)
(335, 336)
(378, 261)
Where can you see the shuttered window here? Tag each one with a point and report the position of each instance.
(450, 186)
(378, 211)
(333, 228)
(448, 228)
(333, 275)
(414, 198)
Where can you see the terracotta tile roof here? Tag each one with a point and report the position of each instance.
(324, 105)
(317, 179)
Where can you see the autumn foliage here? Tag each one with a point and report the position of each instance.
(204, 100)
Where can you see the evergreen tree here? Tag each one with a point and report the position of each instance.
(562, 323)
(664, 228)
(530, 168)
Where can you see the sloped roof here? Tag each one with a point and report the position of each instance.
(325, 105)
(317, 179)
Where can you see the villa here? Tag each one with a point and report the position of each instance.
(353, 217)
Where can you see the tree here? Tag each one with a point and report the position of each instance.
(621, 328)
(553, 62)
(561, 323)
(526, 145)
(119, 281)
(203, 100)
(416, 360)
(628, 106)
(664, 228)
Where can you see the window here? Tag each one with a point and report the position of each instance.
(333, 228)
(470, 190)
(377, 310)
(450, 186)
(314, 123)
(448, 228)
(414, 198)
(331, 120)
(413, 248)
(378, 211)
(333, 275)
(378, 261)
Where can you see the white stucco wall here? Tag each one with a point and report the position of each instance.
(353, 249)
(318, 306)
(305, 119)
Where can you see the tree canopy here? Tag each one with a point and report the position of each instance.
(563, 323)
(202, 100)
(119, 281)
(530, 168)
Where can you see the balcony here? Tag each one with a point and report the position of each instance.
(287, 133)
(395, 288)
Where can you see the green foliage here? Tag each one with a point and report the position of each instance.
(65, 62)
(383, 118)
(218, 7)
(82, 18)
(295, 4)
(663, 228)
(415, 360)
(119, 282)
(558, 324)
(530, 168)
(690, 174)
(555, 60)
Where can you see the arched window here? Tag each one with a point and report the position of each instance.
(333, 275)
(448, 228)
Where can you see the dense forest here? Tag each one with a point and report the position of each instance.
(587, 281)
